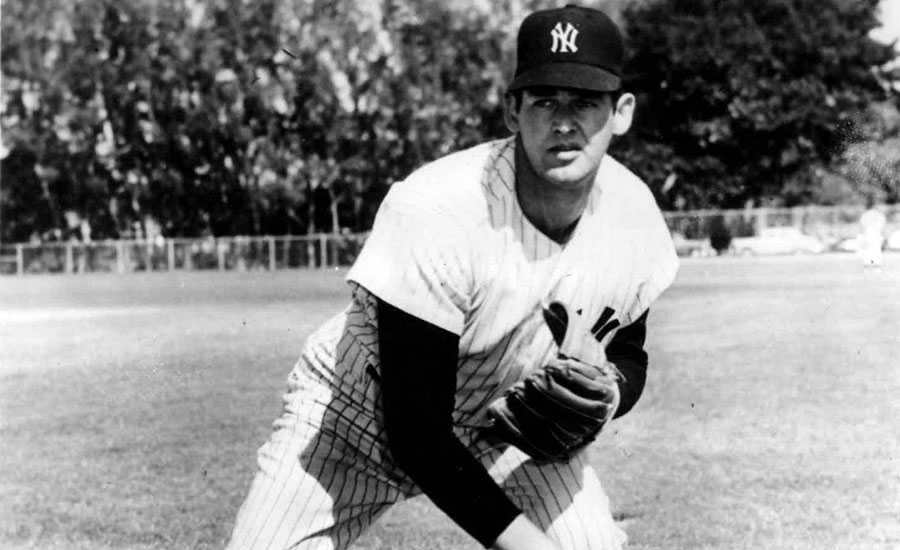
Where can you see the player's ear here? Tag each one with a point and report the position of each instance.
(511, 112)
(623, 114)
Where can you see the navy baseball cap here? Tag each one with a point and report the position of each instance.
(570, 47)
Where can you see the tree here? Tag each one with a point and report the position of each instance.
(233, 117)
(868, 168)
(741, 100)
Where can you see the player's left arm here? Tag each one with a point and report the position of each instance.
(626, 352)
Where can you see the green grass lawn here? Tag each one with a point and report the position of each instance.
(131, 408)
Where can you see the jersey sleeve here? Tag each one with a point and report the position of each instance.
(660, 259)
(645, 228)
(417, 259)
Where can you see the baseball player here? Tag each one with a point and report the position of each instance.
(493, 279)
(871, 236)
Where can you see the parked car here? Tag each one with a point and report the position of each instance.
(854, 244)
(777, 240)
(695, 248)
(893, 241)
(849, 244)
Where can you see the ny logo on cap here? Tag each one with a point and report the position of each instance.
(564, 38)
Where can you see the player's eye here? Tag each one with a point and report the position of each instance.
(545, 103)
(583, 104)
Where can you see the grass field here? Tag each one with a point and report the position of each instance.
(131, 408)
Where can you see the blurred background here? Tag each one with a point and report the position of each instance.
(165, 134)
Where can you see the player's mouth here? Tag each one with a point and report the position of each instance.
(564, 151)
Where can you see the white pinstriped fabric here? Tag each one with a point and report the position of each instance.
(450, 245)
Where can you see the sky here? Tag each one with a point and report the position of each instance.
(890, 18)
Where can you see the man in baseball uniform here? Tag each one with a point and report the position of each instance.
(871, 237)
(449, 309)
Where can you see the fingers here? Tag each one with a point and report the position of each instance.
(587, 370)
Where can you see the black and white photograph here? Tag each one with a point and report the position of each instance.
(450, 275)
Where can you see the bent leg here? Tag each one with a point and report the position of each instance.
(307, 495)
(566, 500)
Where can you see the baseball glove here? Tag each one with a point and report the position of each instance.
(556, 410)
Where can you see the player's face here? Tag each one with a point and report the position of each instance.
(565, 133)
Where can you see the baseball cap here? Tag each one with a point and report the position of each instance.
(570, 47)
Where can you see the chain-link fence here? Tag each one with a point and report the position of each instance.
(694, 233)
(818, 221)
(160, 254)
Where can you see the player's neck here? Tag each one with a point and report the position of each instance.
(552, 209)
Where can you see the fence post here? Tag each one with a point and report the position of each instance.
(170, 254)
(761, 221)
(120, 257)
(797, 216)
(83, 258)
(220, 254)
(70, 261)
(323, 251)
(271, 244)
(20, 259)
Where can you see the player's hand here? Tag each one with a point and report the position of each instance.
(590, 389)
(522, 534)
(558, 409)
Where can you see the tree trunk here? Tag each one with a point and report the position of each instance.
(251, 184)
(53, 206)
(333, 206)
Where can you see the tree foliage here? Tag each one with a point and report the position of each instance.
(213, 117)
(740, 100)
(229, 117)
(869, 168)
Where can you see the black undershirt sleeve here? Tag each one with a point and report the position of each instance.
(626, 352)
(418, 377)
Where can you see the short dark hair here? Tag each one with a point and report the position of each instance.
(538, 90)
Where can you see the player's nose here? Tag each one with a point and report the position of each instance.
(564, 130)
(563, 121)
(563, 124)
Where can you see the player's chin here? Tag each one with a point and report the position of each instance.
(571, 173)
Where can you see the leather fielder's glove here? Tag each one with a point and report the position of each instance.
(556, 410)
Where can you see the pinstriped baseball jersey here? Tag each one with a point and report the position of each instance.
(452, 246)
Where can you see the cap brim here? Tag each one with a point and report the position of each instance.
(567, 75)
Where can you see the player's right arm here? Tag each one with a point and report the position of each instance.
(418, 373)
(419, 261)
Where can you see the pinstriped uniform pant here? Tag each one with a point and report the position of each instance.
(324, 477)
